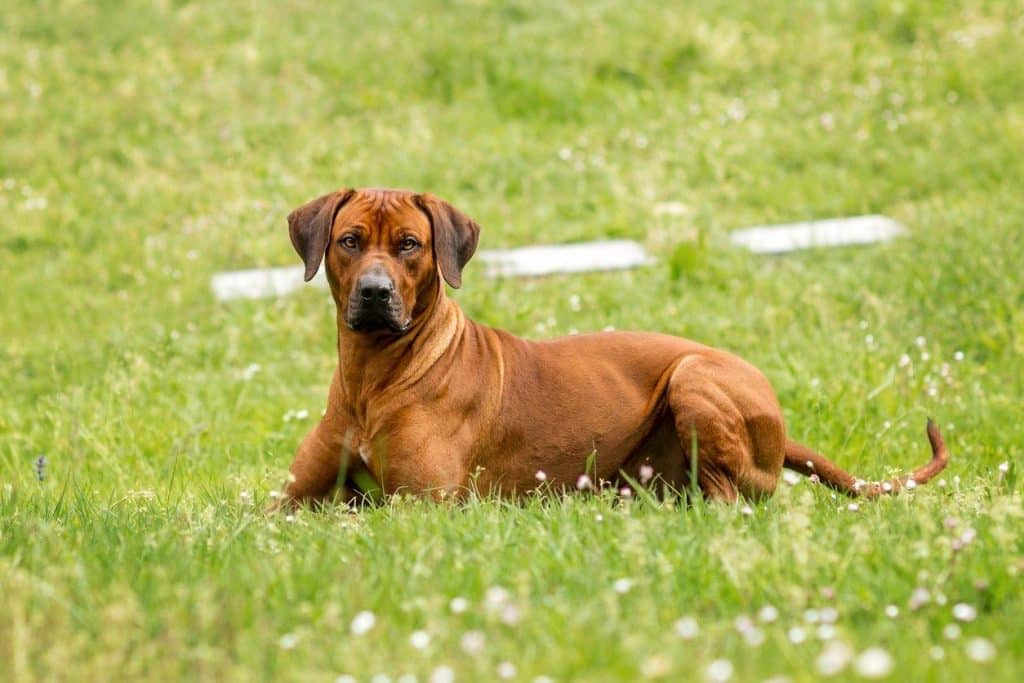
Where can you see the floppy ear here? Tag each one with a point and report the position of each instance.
(455, 236)
(309, 226)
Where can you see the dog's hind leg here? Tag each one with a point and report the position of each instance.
(732, 417)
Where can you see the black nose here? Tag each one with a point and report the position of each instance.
(375, 287)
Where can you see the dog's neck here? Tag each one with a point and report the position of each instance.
(371, 364)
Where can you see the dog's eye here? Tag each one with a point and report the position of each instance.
(408, 244)
(349, 242)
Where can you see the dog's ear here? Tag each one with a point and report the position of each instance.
(455, 236)
(309, 226)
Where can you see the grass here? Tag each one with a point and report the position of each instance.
(146, 146)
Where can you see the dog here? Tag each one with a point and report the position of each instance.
(426, 402)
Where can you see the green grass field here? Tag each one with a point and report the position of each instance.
(144, 147)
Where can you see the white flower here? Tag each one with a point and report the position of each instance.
(910, 485)
(472, 642)
(790, 477)
(920, 341)
(768, 614)
(811, 616)
(873, 663)
(406, 678)
(833, 658)
(380, 678)
(1004, 467)
(346, 678)
(565, 154)
(442, 674)
(958, 356)
(419, 640)
(829, 615)
(598, 517)
(964, 612)
(495, 597)
(892, 611)
(980, 649)
(919, 598)
(719, 671)
(754, 636)
(507, 670)
(584, 483)
(853, 507)
(796, 635)
(951, 631)
(458, 605)
(687, 628)
(510, 615)
(362, 623)
(904, 360)
(250, 371)
(936, 652)
(746, 510)
(826, 632)
(646, 473)
(288, 641)
(622, 585)
(540, 476)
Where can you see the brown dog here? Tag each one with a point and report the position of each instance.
(427, 402)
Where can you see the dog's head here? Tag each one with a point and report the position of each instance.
(385, 251)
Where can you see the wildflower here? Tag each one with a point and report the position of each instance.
(753, 636)
(655, 667)
(746, 510)
(919, 598)
(346, 678)
(458, 605)
(853, 507)
(958, 356)
(472, 642)
(768, 614)
(719, 671)
(796, 635)
(904, 361)
(622, 586)
(743, 623)
(910, 485)
(362, 623)
(833, 658)
(598, 517)
(540, 476)
(250, 371)
(873, 663)
(1004, 467)
(826, 632)
(790, 477)
(507, 670)
(980, 649)
(646, 473)
(811, 616)
(687, 628)
(829, 615)
(920, 341)
(510, 615)
(626, 492)
(951, 632)
(495, 597)
(419, 640)
(936, 652)
(584, 483)
(892, 611)
(442, 674)
(964, 612)
(288, 641)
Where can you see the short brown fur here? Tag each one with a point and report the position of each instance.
(445, 405)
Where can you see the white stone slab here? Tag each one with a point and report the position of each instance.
(833, 232)
(263, 283)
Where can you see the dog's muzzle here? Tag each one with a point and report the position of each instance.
(375, 305)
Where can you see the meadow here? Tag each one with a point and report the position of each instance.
(145, 146)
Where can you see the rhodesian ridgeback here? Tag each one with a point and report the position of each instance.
(427, 402)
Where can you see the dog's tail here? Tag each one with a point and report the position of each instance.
(811, 464)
